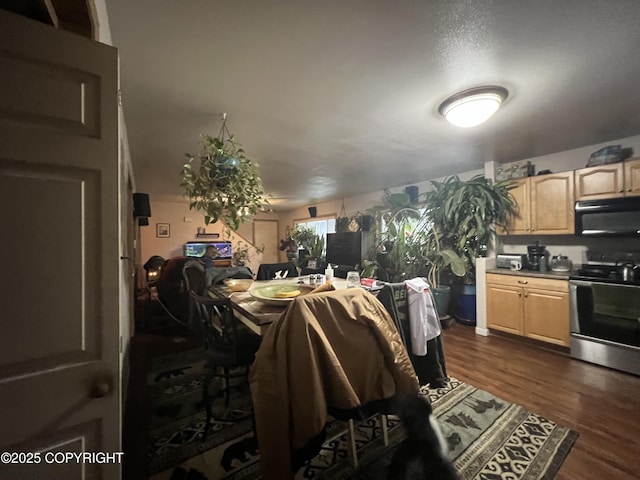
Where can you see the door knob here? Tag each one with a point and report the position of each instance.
(100, 388)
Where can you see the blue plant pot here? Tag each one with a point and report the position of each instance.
(442, 297)
(465, 310)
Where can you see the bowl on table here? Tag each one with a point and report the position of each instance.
(238, 284)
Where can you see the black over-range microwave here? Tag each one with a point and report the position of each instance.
(612, 216)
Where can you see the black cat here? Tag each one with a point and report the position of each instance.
(422, 455)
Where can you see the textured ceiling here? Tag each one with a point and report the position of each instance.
(337, 98)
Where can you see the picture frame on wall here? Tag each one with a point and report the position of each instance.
(163, 230)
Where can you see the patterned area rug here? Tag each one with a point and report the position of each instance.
(488, 438)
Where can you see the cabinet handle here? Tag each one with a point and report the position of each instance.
(519, 294)
(526, 295)
(523, 282)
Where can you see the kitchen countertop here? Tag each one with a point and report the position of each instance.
(530, 273)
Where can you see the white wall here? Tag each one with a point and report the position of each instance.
(578, 157)
(572, 246)
(100, 17)
(175, 211)
(184, 224)
(352, 205)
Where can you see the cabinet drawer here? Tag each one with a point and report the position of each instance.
(528, 282)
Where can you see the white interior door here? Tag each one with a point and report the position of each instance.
(265, 233)
(59, 214)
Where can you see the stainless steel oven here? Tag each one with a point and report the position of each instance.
(605, 318)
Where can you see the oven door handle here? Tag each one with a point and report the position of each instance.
(574, 324)
(581, 283)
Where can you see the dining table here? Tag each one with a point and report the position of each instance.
(258, 313)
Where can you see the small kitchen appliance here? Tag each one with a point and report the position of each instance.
(503, 260)
(536, 256)
(604, 299)
(560, 263)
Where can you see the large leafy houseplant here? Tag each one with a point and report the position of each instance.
(410, 245)
(222, 182)
(303, 236)
(465, 215)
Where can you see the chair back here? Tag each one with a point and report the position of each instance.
(395, 299)
(430, 367)
(172, 290)
(194, 280)
(193, 273)
(217, 323)
(337, 352)
(267, 271)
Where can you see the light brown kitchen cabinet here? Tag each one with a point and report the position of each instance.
(552, 203)
(632, 177)
(608, 181)
(520, 224)
(504, 308)
(533, 307)
(603, 181)
(545, 205)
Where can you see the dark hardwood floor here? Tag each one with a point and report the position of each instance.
(135, 426)
(602, 405)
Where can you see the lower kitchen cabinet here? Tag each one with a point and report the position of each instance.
(530, 306)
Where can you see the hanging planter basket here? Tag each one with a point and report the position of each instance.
(224, 162)
(222, 182)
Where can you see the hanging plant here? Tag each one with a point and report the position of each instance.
(221, 181)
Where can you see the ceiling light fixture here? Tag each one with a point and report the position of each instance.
(473, 106)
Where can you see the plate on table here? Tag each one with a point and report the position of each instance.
(269, 293)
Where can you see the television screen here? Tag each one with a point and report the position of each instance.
(197, 249)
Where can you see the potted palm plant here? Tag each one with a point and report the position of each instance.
(465, 214)
(410, 246)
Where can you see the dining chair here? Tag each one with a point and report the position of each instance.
(229, 350)
(194, 276)
(333, 353)
(193, 273)
(430, 368)
(267, 271)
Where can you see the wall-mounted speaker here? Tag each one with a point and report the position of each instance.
(412, 191)
(141, 206)
(313, 212)
(366, 222)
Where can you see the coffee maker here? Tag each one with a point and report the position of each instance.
(537, 257)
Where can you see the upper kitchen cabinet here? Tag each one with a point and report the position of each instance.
(632, 177)
(545, 205)
(552, 203)
(603, 181)
(520, 224)
(608, 181)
